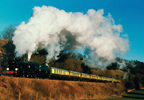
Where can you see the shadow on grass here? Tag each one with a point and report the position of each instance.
(135, 95)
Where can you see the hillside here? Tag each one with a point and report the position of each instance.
(10, 87)
(65, 61)
(42, 89)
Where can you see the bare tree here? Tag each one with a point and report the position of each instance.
(7, 34)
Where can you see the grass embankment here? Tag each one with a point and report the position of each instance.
(46, 89)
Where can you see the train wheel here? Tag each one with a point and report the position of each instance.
(31, 76)
(36, 76)
(23, 75)
(49, 76)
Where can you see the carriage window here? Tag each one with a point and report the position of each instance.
(55, 71)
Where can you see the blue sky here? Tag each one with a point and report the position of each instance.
(128, 13)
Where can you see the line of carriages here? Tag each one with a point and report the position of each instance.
(61, 73)
(31, 69)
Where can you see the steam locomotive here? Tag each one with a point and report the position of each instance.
(32, 69)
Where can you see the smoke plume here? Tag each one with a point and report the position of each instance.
(56, 30)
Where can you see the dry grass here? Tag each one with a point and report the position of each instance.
(46, 89)
(117, 72)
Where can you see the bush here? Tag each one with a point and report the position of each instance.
(129, 85)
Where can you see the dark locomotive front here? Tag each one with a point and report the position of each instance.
(12, 68)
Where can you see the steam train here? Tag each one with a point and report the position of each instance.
(33, 70)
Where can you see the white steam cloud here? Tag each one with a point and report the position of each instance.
(56, 30)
